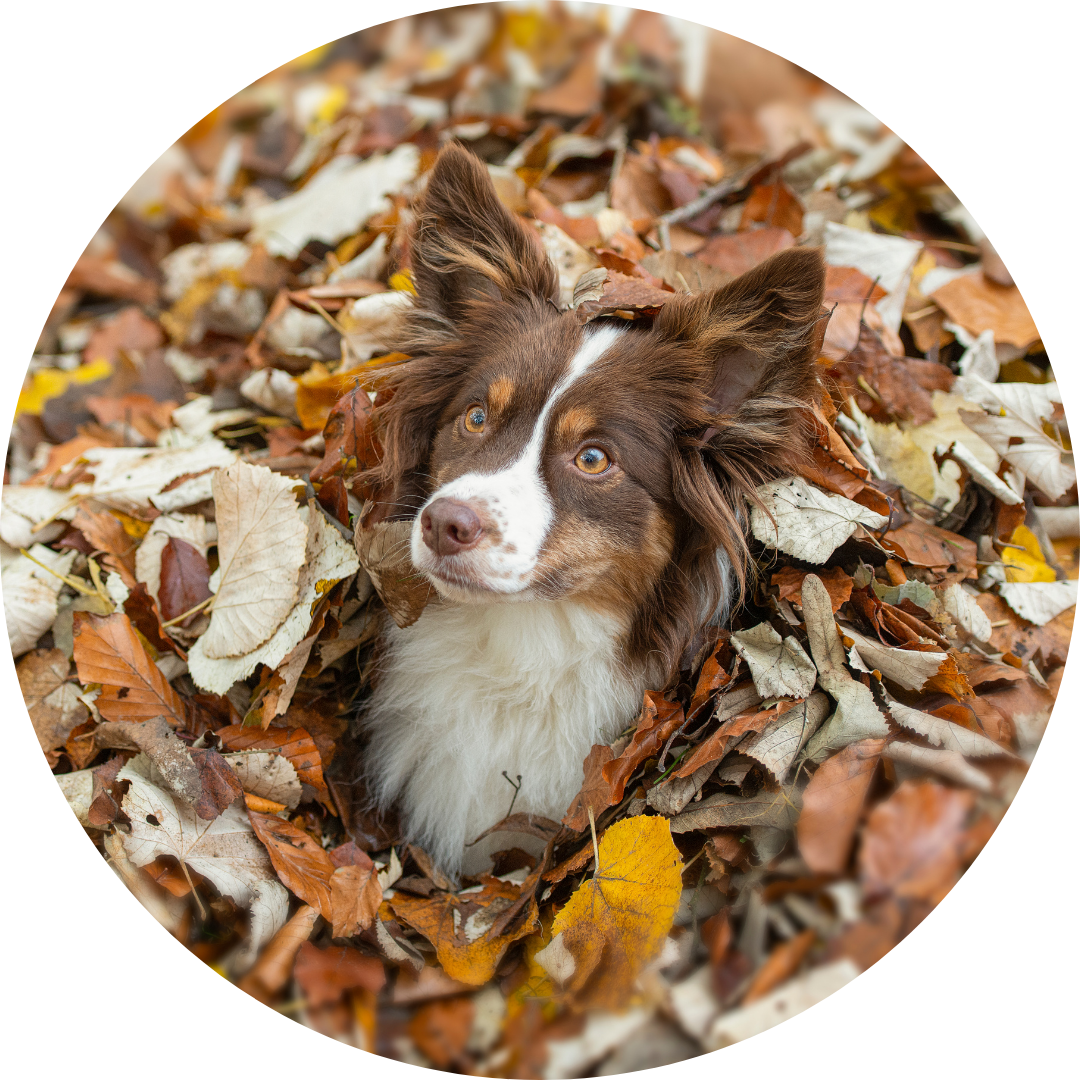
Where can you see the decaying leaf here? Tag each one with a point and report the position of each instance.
(778, 665)
(30, 592)
(384, 554)
(53, 701)
(1039, 601)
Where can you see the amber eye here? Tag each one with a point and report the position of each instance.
(592, 460)
(474, 418)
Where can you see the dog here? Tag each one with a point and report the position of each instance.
(577, 499)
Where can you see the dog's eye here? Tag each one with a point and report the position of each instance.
(474, 418)
(592, 460)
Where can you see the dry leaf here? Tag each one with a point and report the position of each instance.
(52, 701)
(595, 791)
(942, 733)
(30, 593)
(296, 746)
(267, 775)
(658, 721)
(300, 862)
(355, 896)
(1039, 601)
(616, 922)
(261, 538)
(325, 974)
(384, 553)
(778, 665)
(779, 742)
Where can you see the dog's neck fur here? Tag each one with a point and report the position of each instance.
(470, 692)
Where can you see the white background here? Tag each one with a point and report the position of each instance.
(92, 93)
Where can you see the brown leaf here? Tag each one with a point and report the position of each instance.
(782, 963)
(52, 701)
(912, 842)
(130, 331)
(736, 253)
(922, 544)
(623, 293)
(578, 93)
(978, 304)
(296, 745)
(832, 804)
(845, 283)
(837, 583)
(107, 535)
(274, 967)
(104, 277)
(325, 974)
(1047, 645)
(658, 721)
(107, 793)
(161, 745)
(108, 651)
(384, 553)
(729, 732)
(299, 861)
(773, 205)
(595, 792)
(868, 940)
(355, 896)
(185, 577)
(350, 440)
(441, 1030)
(220, 785)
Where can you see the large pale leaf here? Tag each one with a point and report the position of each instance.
(807, 523)
(905, 667)
(30, 593)
(944, 733)
(1039, 601)
(261, 538)
(778, 665)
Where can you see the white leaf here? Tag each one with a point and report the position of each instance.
(372, 324)
(809, 524)
(198, 419)
(30, 594)
(856, 716)
(78, 789)
(335, 202)
(777, 746)
(328, 559)
(905, 667)
(778, 666)
(888, 260)
(273, 389)
(25, 506)
(570, 258)
(190, 262)
(225, 850)
(267, 774)
(129, 478)
(261, 538)
(1039, 601)
(189, 527)
(967, 614)
(983, 476)
(947, 763)
(945, 734)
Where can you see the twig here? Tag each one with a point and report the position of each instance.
(595, 845)
(194, 891)
(516, 787)
(191, 611)
(77, 585)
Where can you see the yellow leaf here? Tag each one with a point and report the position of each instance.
(317, 392)
(402, 282)
(49, 383)
(1024, 561)
(616, 922)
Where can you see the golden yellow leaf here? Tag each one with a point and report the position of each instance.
(616, 922)
(1024, 560)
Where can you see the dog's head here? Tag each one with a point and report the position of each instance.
(607, 463)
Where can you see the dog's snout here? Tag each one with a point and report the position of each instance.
(450, 527)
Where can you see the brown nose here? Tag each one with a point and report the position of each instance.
(450, 527)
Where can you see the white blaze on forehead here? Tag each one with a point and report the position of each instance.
(516, 498)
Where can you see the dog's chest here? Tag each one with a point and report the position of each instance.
(469, 693)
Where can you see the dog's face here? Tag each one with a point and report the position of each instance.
(605, 462)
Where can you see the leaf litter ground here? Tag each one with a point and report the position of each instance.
(192, 594)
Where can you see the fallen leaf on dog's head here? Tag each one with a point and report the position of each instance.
(778, 665)
(300, 862)
(616, 922)
(261, 539)
(52, 701)
(832, 804)
(912, 842)
(807, 523)
(110, 652)
(224, 851)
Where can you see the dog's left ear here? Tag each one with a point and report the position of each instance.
(756, 335)
(467, 246)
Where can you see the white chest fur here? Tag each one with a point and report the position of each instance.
(468, 692)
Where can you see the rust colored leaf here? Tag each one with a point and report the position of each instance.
(296, 745)
(623, 293)
(912, 842)
(52, 701)
(108, 651)
(274, 967)
(334, 499)
(130, 331)
(714, 675)
(578, 93)
(716, 745)
(978, 304)
(1047, 645)
(107, 535)
(185, 577)
(782, 963)
(441, 1030)
(832, 804)
(350, 441)
(299, 861)
(736, 253)
(355, 896)
(220, 785)
(921, 544)
(774, 205)
(837, 583)
(659, 720)
(107, 793)
(595, 791)
(845, 283)
(868, 940)
(325, 974)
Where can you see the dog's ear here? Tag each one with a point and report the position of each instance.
(468, 246)
(756, 335)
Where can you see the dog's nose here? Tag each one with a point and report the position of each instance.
(450, 527)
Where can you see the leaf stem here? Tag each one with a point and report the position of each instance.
(190, 611)
(595, 845)
(77, 585)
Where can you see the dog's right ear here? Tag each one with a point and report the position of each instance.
(468, 246)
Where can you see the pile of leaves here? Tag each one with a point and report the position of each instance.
(193, 598)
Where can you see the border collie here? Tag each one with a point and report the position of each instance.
(576, 497)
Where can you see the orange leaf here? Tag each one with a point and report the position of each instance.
(355, 896)
(108, 651)
(782, 963)
(595, 791)
(659, 720)
(832, 803)
(716, 745)
(296, 745)
(837, 584)
(441, 1030)
(299, 860)
(325, 974)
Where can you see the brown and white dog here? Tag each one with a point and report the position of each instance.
(576, 498)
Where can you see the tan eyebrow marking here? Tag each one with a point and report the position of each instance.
(575, 423)
(499, 394)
